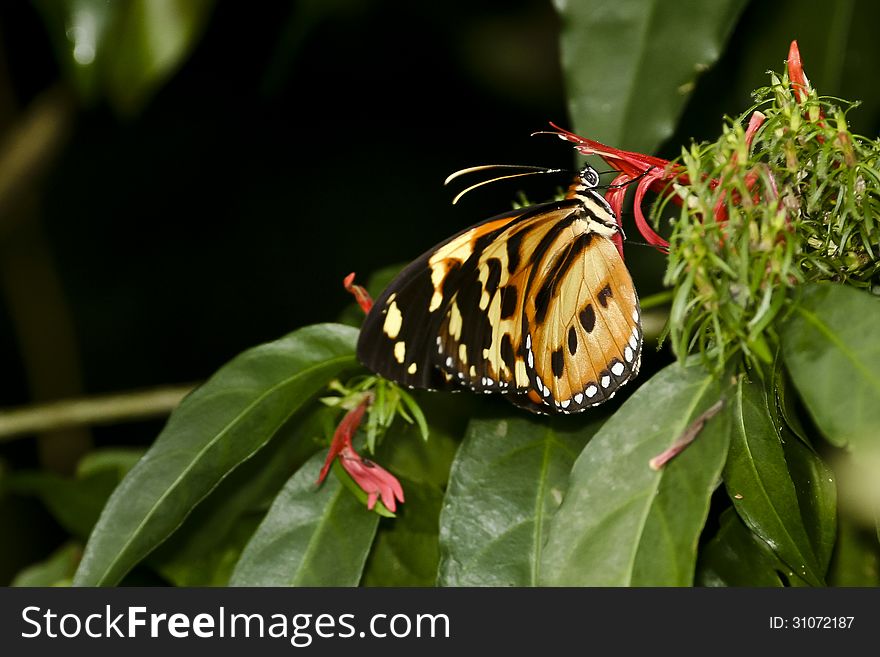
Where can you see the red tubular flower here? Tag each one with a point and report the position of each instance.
(751, 178)
(652, 173)
(800, 85)
(373, 479)
(799, 82)
(365, 301)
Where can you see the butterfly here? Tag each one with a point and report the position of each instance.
(535, 304)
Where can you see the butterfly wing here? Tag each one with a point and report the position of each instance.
(398, 339)
(481, 338)
(583, 334)
(533, 303)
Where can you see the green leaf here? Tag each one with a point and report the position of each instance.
(408, 456)
(406, 552)
(75, 503)
(630, 65)
(215, 564)
(118, 459)
(816, 492)
(123, 50)
(151, 38)
(759, 484)
(216, 526)
(215, 429)
(622, 523)
(310, 537)
(507, 481)
(56, 570)
(736, 557)
(831, 349)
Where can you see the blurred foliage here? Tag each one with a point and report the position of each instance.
(122, 50)
(227, 167)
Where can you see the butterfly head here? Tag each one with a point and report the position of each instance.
(596, 211)
(588, 178)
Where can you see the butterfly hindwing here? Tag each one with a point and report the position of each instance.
(583, 334)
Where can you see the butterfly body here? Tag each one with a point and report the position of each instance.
(535, 304)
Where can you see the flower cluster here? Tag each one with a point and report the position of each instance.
(788, 195)
(370, 477)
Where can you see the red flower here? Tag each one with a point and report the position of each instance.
(360, 294)
(799, 82)
(373, 479)
(652, 173)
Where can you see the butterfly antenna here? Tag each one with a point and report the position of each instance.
(531, 171)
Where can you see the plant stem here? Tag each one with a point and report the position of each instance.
(87, 411)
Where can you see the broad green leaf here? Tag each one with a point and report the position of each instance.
(217, 561)
(123, 50)
(816, 490)
(404, 452)
(214, 430)
(216, 525)
(622, 523)
(406, 552)
(787, 405)
(507, 481)
(630, 65)
(56, 570)
(736, 557)
(310, 537)
(831, 349)
(758, 481)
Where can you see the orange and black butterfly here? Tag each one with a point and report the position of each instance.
(535, 304)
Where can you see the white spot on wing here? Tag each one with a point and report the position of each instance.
(399, 352)
(393, 321)
(591, 391)
(618, 368)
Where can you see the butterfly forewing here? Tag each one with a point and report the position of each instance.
(481, 336)
(399, 336)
